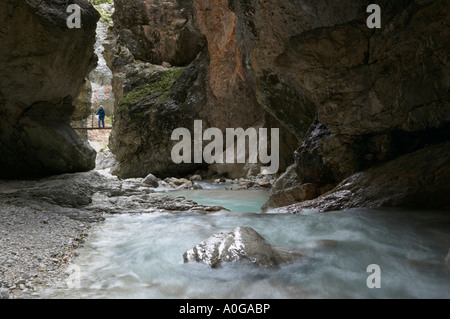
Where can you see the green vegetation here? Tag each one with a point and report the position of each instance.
(95, 2)
(158, 89)
(105, 16)
(103, 148)
(109, 120)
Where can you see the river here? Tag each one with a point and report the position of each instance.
(141, 256)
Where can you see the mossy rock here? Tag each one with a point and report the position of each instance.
(158, 88)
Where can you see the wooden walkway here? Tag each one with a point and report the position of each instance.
(93, 128)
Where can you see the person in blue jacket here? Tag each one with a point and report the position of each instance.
(101, 116)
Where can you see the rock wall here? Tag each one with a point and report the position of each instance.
(158, 31)
(347, 98)
(42, 67)
(417, 180)
(376, 94)
(223, 98)
(157, 100)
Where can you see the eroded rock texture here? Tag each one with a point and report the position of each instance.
(377, 94)
(154, 102)
(417, 180)
(158, 30)
(346, 97)
(42, 67)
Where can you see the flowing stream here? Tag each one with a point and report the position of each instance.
(141, 256)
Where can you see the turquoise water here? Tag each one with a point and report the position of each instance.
(141, 256)
(242, 201)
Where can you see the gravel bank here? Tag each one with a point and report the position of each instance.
(36, 247)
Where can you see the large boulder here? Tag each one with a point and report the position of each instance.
(42, 68)
(242, 244)
(66, 190)
(418, 180)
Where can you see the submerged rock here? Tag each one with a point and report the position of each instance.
(242, 244)
(197, 186)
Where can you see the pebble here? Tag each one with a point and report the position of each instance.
(259, 181)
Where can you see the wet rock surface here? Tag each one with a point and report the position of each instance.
(151, 180)
(242, 244)
(416, 180)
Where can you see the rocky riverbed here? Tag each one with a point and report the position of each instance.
(43, 222)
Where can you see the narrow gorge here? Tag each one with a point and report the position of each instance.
(362, 117)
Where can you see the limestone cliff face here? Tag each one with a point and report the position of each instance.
(375, 94)
(158, 31)
(152, 100)
(351, 100)
(223, 98)
(156, 101)
(42, 67)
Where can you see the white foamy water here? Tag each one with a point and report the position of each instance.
(141, 256)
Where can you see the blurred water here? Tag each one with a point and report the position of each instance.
(141, 256)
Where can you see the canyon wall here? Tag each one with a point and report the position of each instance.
(377, 94)
(42, 68)
(175, 62)
(348, 99)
